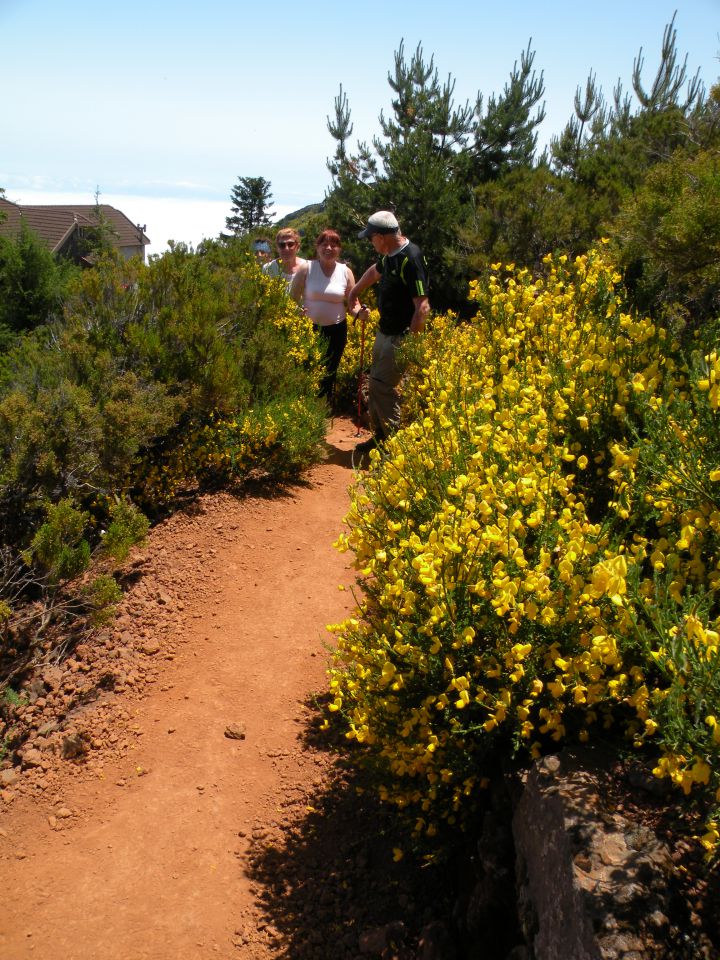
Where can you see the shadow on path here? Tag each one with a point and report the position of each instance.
(327, 881)
(337, 456)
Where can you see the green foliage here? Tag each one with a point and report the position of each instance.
(467, 186)
(59, 548)
(275, 441)
(668, 234)
(251, 205)
(607, 150)
(72, 420)
(32, 284)
(505, 136)
(145, 357)
(12, 697)
(127, 527)
(101, 596)
(522, 215)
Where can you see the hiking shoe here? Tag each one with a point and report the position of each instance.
(366, 446)
(360, 455)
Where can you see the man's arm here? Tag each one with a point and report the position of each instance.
(371, 276)
(422, 309)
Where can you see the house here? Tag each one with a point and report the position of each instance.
(64, 227)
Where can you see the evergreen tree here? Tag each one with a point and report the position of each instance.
(523, 215)
(251, 205)
(668, 239)
(586, 126)
(456, 177)
(32, 282)
(615, 147)
(505, 134)
(416, 167)
(665, 90)
(353, 176)
(98, 240)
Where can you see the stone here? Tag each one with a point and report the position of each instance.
(51, 677)
(585, 874)
(435, 943)
(31, 758)
(379, 939)
(235, 731)
(50, 727)
(73, 745)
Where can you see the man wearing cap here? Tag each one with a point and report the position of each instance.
(403, 304)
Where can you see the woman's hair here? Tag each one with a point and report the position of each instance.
(287, 233)
(328, 235)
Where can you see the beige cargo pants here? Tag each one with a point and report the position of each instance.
(385, 375)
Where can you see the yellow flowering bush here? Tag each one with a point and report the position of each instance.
(302, 345)
(540, 565)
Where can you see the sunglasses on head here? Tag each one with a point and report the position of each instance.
(282, 244)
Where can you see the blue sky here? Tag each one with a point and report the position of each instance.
(162, 106)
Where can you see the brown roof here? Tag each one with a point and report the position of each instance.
(54, 224)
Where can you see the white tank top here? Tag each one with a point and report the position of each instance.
(324, 297)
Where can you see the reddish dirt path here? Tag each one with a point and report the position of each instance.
(147, 845)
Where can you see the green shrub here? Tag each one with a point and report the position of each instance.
(145, 358)
(59, 548)
(32, 283)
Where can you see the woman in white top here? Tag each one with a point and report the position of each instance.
(321, 286)
(288, 262)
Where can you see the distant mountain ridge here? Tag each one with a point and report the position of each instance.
(291, 219)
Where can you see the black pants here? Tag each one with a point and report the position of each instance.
(335, 338)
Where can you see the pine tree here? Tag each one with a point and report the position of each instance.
(32, 282)
(505, 134)
(416, 167)
(588, 124)
(251, 205)
(98, 240)
(353, 176)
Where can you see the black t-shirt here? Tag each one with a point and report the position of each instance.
(403, 275)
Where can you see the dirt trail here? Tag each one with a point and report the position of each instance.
(147, 845)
